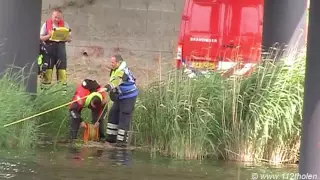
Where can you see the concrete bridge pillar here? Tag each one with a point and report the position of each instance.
(284, 24)
(309, 165)
(19, 37)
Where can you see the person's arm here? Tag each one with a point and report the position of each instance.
(44, 36)
(115, 80)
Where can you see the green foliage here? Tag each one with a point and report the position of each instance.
(54, 124)
(49, 108)
(15, 105)
(246, 119)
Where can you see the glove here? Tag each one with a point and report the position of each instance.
(108, 88)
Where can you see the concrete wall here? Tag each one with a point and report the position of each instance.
(141, 30)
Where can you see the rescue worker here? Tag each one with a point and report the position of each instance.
(89, 94)
(56, 50)
(123, 92)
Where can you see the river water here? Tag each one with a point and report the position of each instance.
(63, 163)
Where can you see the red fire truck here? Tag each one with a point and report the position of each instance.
(220, 35)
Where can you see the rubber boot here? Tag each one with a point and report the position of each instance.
(122, 138)
(47, 78)
(73, 134)
(112, 131)
(62, 78)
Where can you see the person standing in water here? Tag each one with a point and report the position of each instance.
(123, 92)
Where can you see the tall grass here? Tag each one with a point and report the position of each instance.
(54, 126)
(15, 105)
(243, 119)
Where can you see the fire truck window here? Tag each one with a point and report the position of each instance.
(204, 18)
(249, 20)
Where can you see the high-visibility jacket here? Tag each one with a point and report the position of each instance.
(123, 80)
(83, 96)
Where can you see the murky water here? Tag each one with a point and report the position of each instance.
(97, 164)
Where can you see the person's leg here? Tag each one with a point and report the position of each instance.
(102, 133)
(75, 115)
(61, 64)
(126, 111)
(113, 121)
(48, 58)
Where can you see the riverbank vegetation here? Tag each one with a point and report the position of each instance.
(16, 105)
(244, 119)
(257, 118)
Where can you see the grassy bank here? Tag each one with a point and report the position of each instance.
(15, 105)
(53, 126)
(248, 119)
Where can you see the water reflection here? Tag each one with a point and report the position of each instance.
(120, 157)
(74, 163)
(114, 156)
(8, 170)
(15, 162)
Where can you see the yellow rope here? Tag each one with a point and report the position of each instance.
(44, 112)
(105, 106)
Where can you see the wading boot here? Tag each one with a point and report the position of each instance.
(122, 138)
(62, 78)
(73, 136)
(112, 131)
(46, 80)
